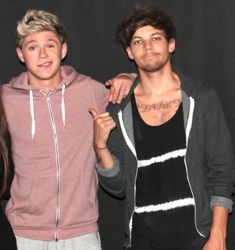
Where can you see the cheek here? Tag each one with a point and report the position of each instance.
(30, 61)
(56, 54)
(137, 52)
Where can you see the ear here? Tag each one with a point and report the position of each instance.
(20, 54)
(128, 51)
(64, 50)
(171, 45)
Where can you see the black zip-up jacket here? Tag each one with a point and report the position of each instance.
(209, 160)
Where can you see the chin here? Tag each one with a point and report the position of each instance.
(152, 69)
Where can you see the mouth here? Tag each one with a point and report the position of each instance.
(46, 64)
(150, 55)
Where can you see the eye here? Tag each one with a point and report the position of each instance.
(137, 42)
(50, 45)
(157, 38)
(31, 48)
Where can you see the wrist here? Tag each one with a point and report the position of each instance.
(100, 147)
(218, 232)
(131, 76)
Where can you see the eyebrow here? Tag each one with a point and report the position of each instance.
(34, 41)
(153, 34)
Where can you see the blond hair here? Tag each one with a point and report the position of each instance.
(37, 21)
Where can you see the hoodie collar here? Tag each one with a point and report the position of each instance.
(21, 82)
(188, 85)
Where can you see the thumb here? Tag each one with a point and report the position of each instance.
(93, 112)
(108, 83)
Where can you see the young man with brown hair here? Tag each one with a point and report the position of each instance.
(166, 147)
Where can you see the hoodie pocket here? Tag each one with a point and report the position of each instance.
(32, 204)
(20, 192)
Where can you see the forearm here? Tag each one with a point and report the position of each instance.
(111, 178)
(217, 239)
(104, 156)
(220, 220)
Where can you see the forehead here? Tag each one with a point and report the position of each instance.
(41, 36)
(147, 31)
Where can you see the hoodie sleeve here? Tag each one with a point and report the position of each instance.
(219, 153)
(100, 93)
(113, 180)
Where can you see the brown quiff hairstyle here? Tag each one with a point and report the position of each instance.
(141, 16)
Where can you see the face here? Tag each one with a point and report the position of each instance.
(149, 49)
(42, 53)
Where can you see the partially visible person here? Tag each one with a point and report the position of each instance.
(166, 147)
(53, 202)
(7, 238)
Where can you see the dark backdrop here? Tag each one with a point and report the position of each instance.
(205, 43)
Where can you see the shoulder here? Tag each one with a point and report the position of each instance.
(197, 88)
(84, 82)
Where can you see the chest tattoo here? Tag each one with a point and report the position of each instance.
(159, 106)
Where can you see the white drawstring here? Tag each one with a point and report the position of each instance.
(32, 114)
(62, 104)
(33, 126)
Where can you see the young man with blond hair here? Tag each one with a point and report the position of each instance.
(53, 201)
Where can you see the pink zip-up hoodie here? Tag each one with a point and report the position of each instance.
(54, 190)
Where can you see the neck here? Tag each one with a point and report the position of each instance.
(158, 82)
(44, 84)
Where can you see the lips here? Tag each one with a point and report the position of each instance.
(46, 64)
(149, 55)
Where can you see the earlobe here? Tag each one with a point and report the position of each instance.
(64, 50)
(172, 45)
(20, 54)
(128, 51)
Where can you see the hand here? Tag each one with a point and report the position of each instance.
(103, 124)
(216, 241)
(119, 87)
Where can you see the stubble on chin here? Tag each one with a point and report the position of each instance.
(154, 66)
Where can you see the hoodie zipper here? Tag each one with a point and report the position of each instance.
(58, 167)
(188, 129)
(132, 148)
(195, 209)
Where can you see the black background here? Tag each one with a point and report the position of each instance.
(205, 46)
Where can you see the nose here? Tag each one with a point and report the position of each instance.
(147, 45)
(43, 52)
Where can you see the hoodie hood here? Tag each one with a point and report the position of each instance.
(68, 75)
